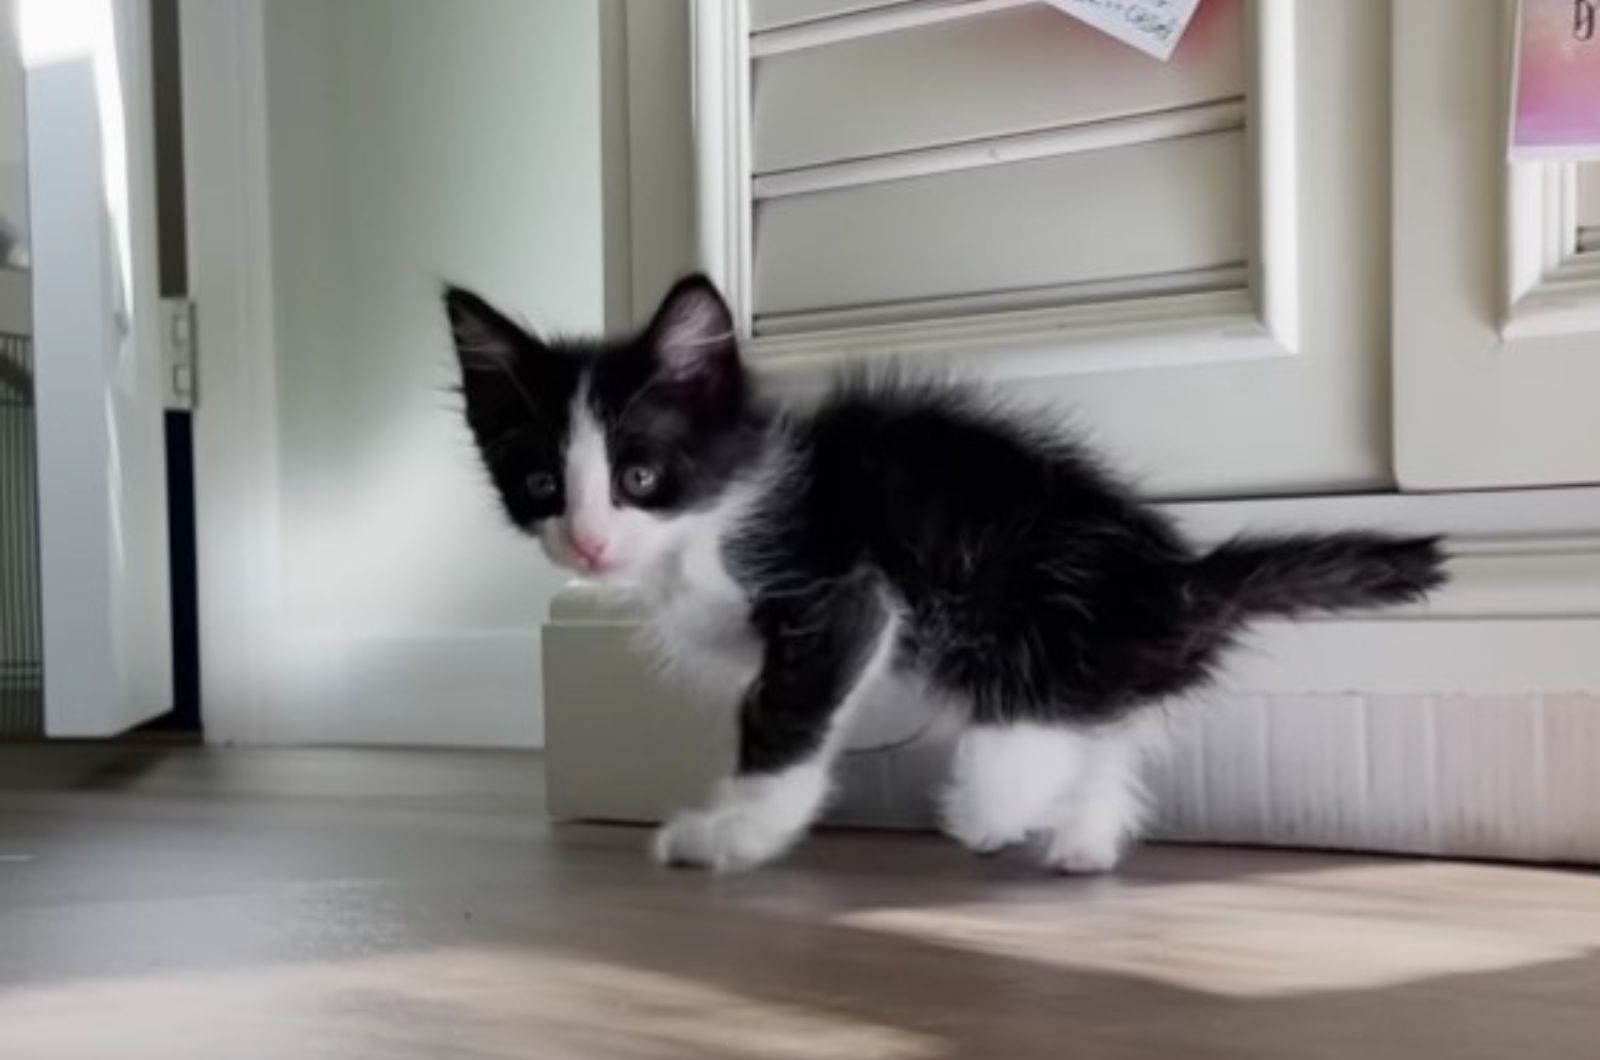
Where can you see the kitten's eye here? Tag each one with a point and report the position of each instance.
(541, 485)
(639, 481)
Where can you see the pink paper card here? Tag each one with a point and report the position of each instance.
(1555, 109)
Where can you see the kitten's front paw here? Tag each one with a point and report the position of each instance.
(724, 840)
(962, 819)
(982, 843)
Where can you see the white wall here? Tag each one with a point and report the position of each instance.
(412, 141)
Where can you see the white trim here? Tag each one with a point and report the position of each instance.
(1274, 95)
(1532, 230)
(721, 109)
(1553, 284)
(1515, 554)
(616, 166)
(1132, 130)
(765, 19)
(1258, 321)
(1480, 657)
(1565, 301)
(1221, 279)
(856, 25)
(236, 427)
(653, 236)
(1478, 517)
(1208, 328)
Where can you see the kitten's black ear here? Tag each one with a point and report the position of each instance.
(496, 354)
(692, 334)
(487, 341)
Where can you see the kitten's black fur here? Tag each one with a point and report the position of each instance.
(1027, 582)
(1034, 585)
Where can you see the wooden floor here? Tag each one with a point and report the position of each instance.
(176, 904)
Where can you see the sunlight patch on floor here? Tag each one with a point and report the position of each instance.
(478, 1002)
(1282, 935)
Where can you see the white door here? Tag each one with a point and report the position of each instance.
(1497, 292)
(99, 398)
(1191, 255)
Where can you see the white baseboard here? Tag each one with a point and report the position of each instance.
(1401, 736)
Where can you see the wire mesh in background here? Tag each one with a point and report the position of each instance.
(21, 638)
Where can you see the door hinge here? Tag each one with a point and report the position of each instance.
(177, 352)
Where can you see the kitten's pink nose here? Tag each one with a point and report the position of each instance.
(591, 551)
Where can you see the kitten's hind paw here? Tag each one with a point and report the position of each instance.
(1078, 853)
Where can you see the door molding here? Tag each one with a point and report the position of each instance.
(1496, 312)
(1553, 286)
(237, 522)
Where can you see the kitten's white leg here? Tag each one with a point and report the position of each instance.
(1005, 779)
(757, 815)
(751, 819)
(1094, 820)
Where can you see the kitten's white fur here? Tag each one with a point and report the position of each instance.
(699, 613)
(1004, 779)
(635, 541)
(1078, 792)
(1095, 817)
(752, 820)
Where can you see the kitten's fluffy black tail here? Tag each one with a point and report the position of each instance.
(1282, 577)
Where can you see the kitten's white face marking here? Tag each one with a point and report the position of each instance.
(595, 536)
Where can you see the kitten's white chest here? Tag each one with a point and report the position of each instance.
(701, 621)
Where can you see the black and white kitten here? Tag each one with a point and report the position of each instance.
(914, 539)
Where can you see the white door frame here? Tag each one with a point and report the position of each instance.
(235, 427)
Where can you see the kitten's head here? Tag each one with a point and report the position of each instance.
(601, 448)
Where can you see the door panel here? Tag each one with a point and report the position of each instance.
(102, 472)
(1274, 379)
(1497, 301)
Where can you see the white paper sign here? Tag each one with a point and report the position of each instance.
(1152, 26)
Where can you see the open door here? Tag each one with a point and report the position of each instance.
(98, 365)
